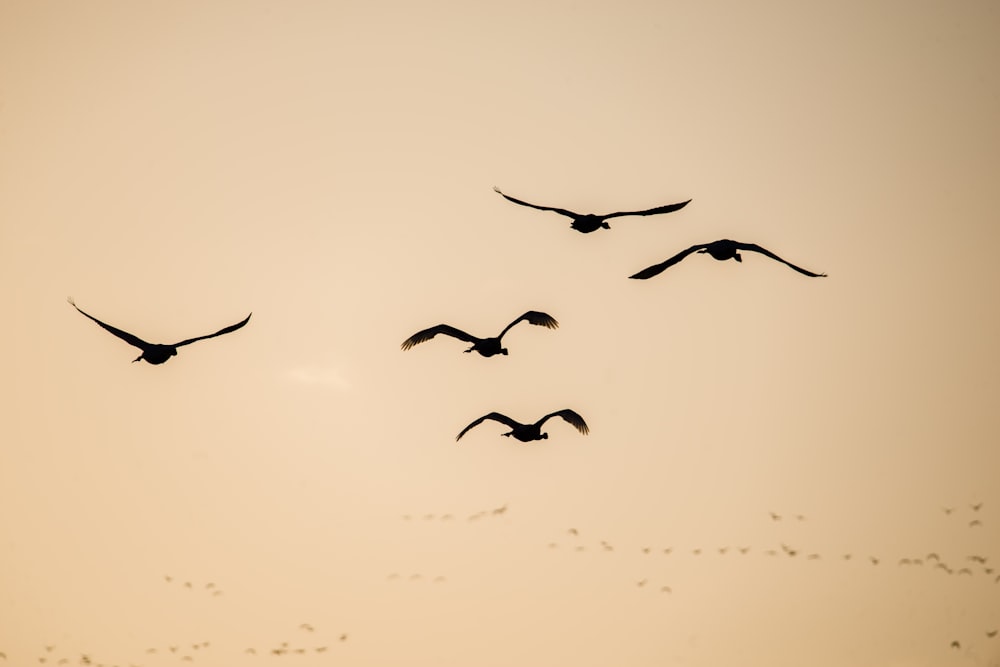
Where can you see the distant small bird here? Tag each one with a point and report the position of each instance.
(641, 583)
(974, 523)
(665, 589)
(873, 560)
(343, 637)
(775, 516)
(720, 250)
(529, 432)
(156, 353)
(955, 644)
(991, 634)
(486, 347)
(947, 510)
(589, 222)
(307, 627)
(573, 531)
(744, 550)
(975, 507)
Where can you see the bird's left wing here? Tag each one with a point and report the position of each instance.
(229, 329)
(570, 416)
(669, 208)
(561, 211)
(495, 416)
(764, 251)
(657, 269)
(124, 335)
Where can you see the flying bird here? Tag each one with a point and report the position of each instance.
(589, 222)
(487, 347)
(529, 432)
(157, 353)
(720, 250)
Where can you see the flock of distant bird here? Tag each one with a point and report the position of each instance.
(158, 353)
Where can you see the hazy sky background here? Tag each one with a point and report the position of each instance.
(329, 166)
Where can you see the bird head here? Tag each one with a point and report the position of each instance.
(545, 436)
(503, 351)
(605, 225)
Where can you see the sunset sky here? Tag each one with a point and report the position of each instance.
(772, 459)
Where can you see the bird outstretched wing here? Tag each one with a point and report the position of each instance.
(764, 251)
(657, 269)
(427, 334)
(495, 416)
(560, 211)
(535, 317)
(124, 335)
(570, 416)
(669, 208)
(229, 329)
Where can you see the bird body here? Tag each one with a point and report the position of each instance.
(156, 353)
(530, 432)
(486, 347)
(591, 222)
(721, 250)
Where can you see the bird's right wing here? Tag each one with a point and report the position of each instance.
(764, 251)
(495, 416)
(427, 334)
(669, 208)
(225, 330)
(657, 269)
(535, 317)
(570, 416)
(561, 211)
(124, 335)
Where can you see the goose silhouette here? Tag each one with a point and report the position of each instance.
(487, 347)
(156, 353)
(720, 250)
(530, 432)
(589, 222)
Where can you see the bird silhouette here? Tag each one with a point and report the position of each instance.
(156, 353)
(487, 347)
(589, 222)
(529, 432)
(720, 250)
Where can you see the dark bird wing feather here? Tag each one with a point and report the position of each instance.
(657, 269)
(764, 251)
(495, 416)
(535, 317)
(124, 335)
(427, 334)
(229, 329)
(570, 416)
(560, 211)
(669, 208)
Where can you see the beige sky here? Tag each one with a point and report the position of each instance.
(329, 166)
